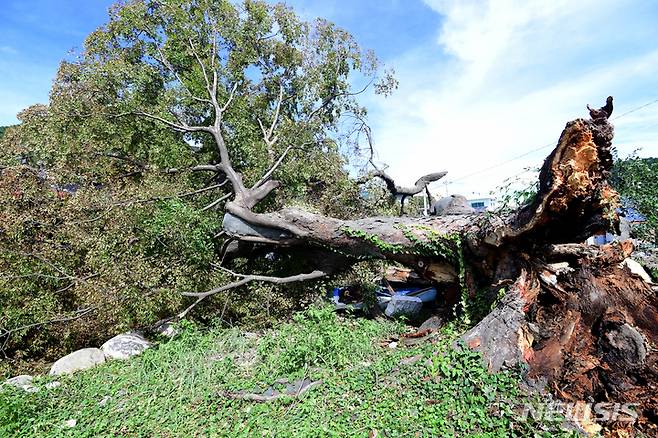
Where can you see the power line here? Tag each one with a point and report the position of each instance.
(502, 163)
(635, 109)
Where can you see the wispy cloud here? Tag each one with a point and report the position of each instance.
(8, 50)
(501, 79)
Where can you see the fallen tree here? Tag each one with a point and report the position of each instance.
(577, 318)
(238, 80)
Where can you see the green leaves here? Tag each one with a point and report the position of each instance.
(176, 229)
(161, 58)
(636, 180)
(316, 337)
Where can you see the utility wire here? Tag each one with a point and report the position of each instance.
(502, 163)
(635, 109)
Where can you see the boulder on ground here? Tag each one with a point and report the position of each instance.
(166, 328)
(125, 345)
(432, 324)
(23, 382)
(77, 361)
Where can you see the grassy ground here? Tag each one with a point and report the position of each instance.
(182, 387)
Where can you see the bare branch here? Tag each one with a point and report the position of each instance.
(225, 165)
(216, 202)
(206, 168)
(203, 67)
(397, 190)
(267, 37)
(269, 173)
(230, 97)
(267, 133)
(78, 314)
(184, 313)
(213, 48)
(329, 99)
(258, 194)
(205, 189)
(264, 220)
(167, 64)
(244, 279)
(401, 191)
(176, 126)
(164, 198)
(275, 120)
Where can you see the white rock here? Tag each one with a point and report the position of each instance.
(125, 346)
(637, 269)
(167, 329)
(18, 381)
(77, 361)
(70, 423)
(104, 401)
(53, 385)
(24, 382)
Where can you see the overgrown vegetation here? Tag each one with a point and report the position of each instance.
(636, 180)
(102, 222)
(184, 387)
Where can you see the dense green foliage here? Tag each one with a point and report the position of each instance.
(77, 241)
(182, 388)
(636, 180)
(2, 131)
(102, 224)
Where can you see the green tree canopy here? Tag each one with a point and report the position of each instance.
(275, 85)
(636, 180)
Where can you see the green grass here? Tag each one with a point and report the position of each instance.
(180, 387)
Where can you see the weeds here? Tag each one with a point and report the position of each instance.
(181, 388)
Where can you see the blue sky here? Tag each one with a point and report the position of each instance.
(481, 81)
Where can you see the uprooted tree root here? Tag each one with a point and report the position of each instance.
(587, 331)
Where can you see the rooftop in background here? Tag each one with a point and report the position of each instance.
(482, 204)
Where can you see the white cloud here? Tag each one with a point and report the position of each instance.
(502, 79)
(8, 50)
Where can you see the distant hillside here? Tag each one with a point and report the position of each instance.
(2, 130)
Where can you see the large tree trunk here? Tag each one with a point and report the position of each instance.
(580, 322)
